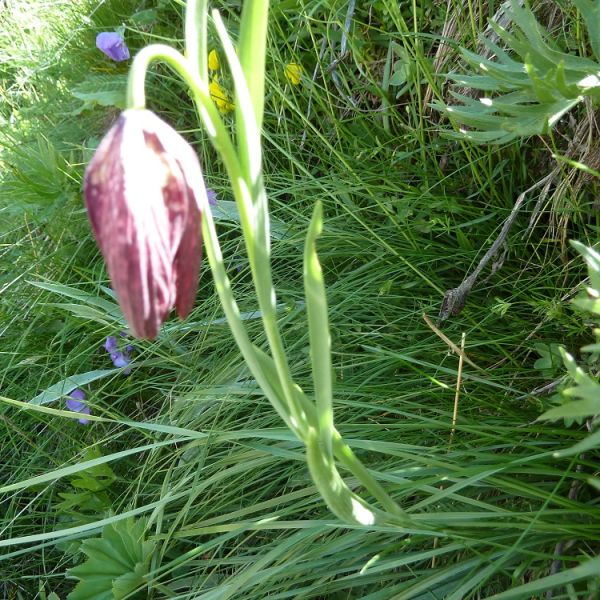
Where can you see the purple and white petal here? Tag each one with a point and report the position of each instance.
(141, 190)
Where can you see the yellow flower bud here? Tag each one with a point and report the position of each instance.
(213, 61)
(293, 72)
(220, 96)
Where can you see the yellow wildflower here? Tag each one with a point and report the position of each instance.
(213, 61)
(293, 72)
(220, 96)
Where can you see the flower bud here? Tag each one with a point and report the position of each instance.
(142, 190)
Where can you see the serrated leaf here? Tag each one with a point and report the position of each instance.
(89, 594)
(96, 478)
(573, 410)
(117, 562)
(101, 90)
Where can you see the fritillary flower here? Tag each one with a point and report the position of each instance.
(142, 191)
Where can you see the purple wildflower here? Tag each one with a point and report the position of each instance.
(76, 403)
(113, 45)
(111, 344)
(120, 358)
(212, 197)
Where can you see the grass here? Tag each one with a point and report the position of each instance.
(190, 442)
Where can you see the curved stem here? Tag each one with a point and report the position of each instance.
(223, 144)
(206, 109)
(272, 375)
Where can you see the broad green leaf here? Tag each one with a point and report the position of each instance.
(101, 90)
(116, 564)
(574, 410)
(96, 478)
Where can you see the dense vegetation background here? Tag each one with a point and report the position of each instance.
(188, 446)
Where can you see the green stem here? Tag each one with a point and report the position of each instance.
(346, 456)
(256, 235)
(255, 222)
(232, 313)
(272, 375)
(222, 142)
(196, 42)
(207, 111)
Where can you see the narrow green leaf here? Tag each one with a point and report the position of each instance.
(590, 442)
(85, 466)
(588, 569)
(67, 385)
(318, 330)
(590, 11)
(252, 51)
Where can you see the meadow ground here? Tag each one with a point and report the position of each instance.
(188, 446)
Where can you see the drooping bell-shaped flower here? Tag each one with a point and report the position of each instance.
(142, 192)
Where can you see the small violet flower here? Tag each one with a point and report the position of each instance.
(212, 196)
(111, 344)
(142, 191)
(120, 358)
(113, 45)
(76, 403)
